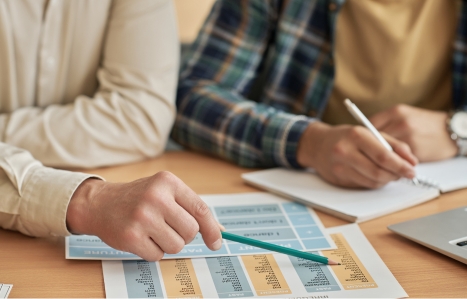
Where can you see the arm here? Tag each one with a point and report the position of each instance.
(34, 198)
(214, 113)
(131, 114)
(215, 116)
(148, 217)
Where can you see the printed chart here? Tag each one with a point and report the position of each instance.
(362, 274)
(259, 216)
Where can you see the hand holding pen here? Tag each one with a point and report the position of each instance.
(351, 156)
(361, 118)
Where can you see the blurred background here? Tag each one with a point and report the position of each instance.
(191, 15)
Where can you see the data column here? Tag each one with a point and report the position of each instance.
(309, 233)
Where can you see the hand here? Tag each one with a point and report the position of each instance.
(147, 217)
(350, 156)
(423, 130)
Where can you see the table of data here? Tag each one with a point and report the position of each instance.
(283, 223)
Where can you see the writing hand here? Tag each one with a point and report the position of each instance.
(350, 156)
(147, 217)
(423, 130)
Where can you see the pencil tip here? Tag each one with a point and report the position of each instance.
(331, 262)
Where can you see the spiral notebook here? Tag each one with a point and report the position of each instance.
(362, 205)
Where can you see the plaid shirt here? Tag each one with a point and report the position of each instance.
(282, 48)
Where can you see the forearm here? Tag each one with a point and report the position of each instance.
(91, 132)
(34, 198)
(129, 116)
(234, 128)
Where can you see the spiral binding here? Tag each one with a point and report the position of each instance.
(426, 182)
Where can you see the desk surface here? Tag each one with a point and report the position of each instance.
(37, 267)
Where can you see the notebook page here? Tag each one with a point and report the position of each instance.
(360, 204)
(449, 174)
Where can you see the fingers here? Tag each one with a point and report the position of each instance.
(354, 169)
(374, 175)
(385, 159)
(208, 226)
(357, 180)
(153, 215)
(182, 222)
(167, 238)
(149, 250)
(138, 242)
(402, 149)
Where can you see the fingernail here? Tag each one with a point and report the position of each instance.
(221, 227)
(217, 245)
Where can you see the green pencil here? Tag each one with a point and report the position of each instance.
(277, 248)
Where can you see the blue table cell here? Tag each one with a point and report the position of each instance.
(250, 210)
(250, 222)
(302, 219)
(237, 248)
(313, 244)
(93, 252)
(86, 241)
(293, 207)
(311, 231)
(198, 250)
(267, 234)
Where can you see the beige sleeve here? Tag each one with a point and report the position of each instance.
(34, 198)
(130, 116)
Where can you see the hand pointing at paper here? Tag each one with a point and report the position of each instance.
(148, 217)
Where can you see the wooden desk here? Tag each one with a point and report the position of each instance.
(37, 267)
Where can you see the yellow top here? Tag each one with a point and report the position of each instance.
(389, 52)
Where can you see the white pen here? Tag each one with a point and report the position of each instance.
(361, 118)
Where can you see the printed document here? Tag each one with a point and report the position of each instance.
(261, 216)
(361, 275)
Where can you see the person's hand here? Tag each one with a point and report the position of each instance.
(350, 156)
(423, 130)
(146, 217)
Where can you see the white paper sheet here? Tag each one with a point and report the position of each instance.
(361, 275)
(448, 175)
(5, 290)
(355, 205)
(257, 215)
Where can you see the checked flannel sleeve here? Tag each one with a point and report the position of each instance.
(214, 112)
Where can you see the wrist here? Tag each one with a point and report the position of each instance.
(78, 218)
(457, 129)
(308, 147)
